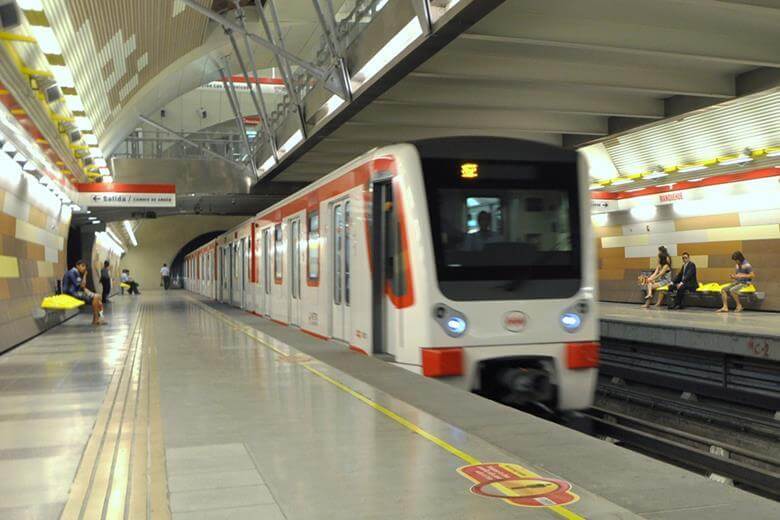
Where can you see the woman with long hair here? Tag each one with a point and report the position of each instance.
(661, 277)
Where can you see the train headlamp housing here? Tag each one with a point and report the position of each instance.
(571, 321)
(454, 323)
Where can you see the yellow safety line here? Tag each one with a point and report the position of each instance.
(470, 459)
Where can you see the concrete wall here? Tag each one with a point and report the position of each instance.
(709, 223)
(160, 239)
(33, 233)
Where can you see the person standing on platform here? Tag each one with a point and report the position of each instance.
(105, 281)
(165, 277)
(684, 282)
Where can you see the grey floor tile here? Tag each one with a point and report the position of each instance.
(260, 512)
(220, 498)
(50, 511)
(215, 457)
(213, 480)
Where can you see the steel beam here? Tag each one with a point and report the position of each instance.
(189, 141)
(230, 89)
(284, 66)
(277, 50)
(255, 85)
(338, 77)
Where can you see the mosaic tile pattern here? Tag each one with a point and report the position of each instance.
(627, 247)
(33, 238)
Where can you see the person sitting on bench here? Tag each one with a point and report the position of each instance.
(129, 281)
(741, 279)
(684, 282)
(75, 284)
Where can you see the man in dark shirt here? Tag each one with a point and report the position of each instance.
(105, 281)
(684, 282)
(75, 284)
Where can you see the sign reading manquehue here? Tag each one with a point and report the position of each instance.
(127, 195)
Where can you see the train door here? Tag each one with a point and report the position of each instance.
(388, 273)
(267, 281)
(237, 267)
(244, 296)
(227, 275)
(294, 254)
(340, 238)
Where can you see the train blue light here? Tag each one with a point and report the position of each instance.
(456, 325)
(571, 321)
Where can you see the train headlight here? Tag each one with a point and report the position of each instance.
(453, 323)
(456, 325)
(571, 321)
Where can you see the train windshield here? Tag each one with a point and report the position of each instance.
(504, 230)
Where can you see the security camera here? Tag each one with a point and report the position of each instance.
(203, 113)
(162, 113)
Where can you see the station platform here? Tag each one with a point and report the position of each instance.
(749, 333)
(182, 408)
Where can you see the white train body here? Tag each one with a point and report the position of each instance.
(506, 309)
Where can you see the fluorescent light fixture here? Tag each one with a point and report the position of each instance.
(90, 139)
(109, 240)
(655, 175)
(47, 41)
(643, 212)
(92, 218)
(75, 207)
(332, 104)
(74, 103)
(267, 164)
(692, 168)
(386, 54)
(773, 153)
(108, 179)
(130, 234)
(84, 124)
(63, 76)
(99, 162)
(18, 157)
(30, 5)
(595, 186)
(635, 189)
(104, 171)
(735, 160)
(9, 148)
(698, 179)
(292, 142)
(114, 236)
(618, 182)
(44, 180)
(29, 167)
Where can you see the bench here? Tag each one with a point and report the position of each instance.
(708, 295)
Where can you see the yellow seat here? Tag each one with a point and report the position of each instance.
(61, 302)
(709, 287)
(124, 285)
(664, 288)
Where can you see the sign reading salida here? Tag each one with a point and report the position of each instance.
(127, 195)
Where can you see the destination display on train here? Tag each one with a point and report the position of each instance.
(127, 195)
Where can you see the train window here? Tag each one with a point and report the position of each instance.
(517, 223)
(314, 246)
(278, 252)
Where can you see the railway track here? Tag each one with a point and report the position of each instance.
(671, 430)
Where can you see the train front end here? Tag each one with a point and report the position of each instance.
(508, 296)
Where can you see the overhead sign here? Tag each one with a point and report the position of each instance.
(127, 195)
(517, 486)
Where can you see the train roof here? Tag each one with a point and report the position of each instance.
(497, 148)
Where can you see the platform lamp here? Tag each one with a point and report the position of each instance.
(9, 14)
(48, 88)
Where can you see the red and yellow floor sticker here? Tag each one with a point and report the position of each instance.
(517, 486)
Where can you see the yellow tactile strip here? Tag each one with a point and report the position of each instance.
(122, 470)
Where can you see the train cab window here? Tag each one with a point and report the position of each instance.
(313, 245)
(278, 252)
(511, 232)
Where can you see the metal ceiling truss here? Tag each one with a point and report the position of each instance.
(190, 142)
(230, 90)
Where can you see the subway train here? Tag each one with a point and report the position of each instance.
(468, 259)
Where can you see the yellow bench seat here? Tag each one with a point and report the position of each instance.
(61, 302)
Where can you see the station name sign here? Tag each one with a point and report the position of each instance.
(127, 195)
